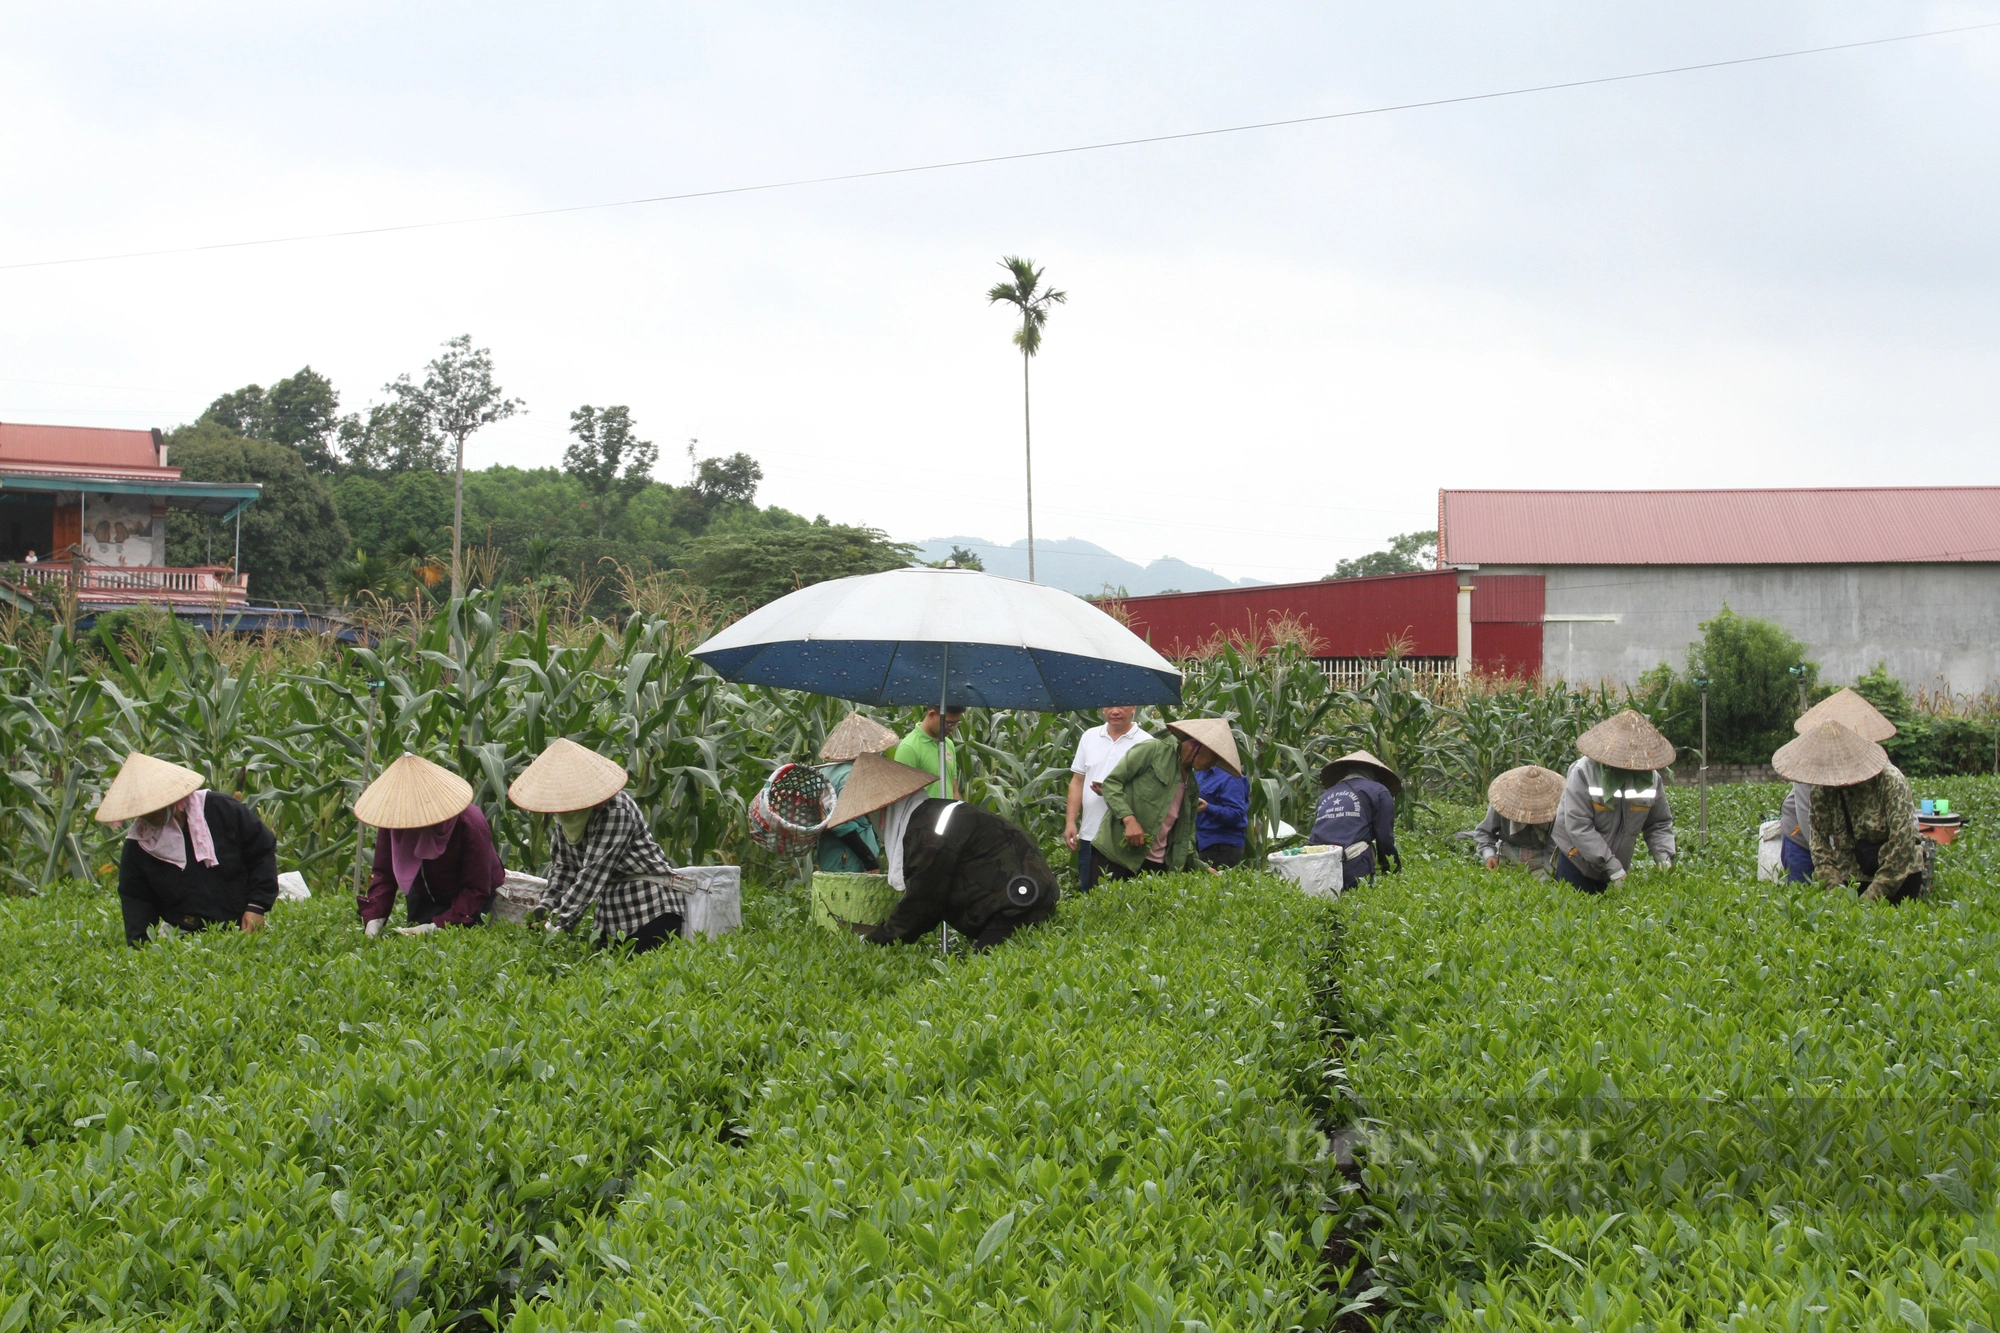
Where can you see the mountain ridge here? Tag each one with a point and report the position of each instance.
(1083, 567)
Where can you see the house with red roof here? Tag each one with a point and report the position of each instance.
(1592, 586)
(84, 509)
(1908, 576)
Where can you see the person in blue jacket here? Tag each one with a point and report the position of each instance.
(1222, 817)
(1357, 811)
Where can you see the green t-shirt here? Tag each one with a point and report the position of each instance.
(919, 750)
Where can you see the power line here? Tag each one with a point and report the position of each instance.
(995, 158)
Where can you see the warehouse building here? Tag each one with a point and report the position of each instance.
(1907, 576)
(1441, 624)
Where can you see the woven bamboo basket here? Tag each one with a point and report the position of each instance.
(840, 901)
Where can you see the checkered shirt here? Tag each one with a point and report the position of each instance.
(619, 869)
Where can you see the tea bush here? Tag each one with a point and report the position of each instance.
(1697, 1100)
(1111, 1122)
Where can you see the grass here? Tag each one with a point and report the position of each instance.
(1695, 1101)
(1112, 1122)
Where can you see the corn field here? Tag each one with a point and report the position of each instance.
(298, 725)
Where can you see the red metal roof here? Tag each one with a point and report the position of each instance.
(1350, 617)
(91, 451)
(1885, 525)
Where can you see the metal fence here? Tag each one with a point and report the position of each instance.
(1346, 673)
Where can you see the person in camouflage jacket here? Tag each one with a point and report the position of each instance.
(1867, 833)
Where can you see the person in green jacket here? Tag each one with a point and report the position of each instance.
(1150, 799)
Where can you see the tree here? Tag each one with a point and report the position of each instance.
(456, 398)
(390, 439)
(1407, 554)
(293, 536)
(762, 566)
(1027, 295)
(369, 576)
(604, 445)
(734, 479)
(1753, 697)
(960, 558)
(301, 411)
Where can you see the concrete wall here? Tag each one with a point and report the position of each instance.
(1932, 624)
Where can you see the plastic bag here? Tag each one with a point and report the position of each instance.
(714, 902)
(1316, 869)
(1770, 850)
(791, 811)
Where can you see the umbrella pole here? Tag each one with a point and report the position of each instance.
(944, 788)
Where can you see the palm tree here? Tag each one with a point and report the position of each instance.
(1026, 294)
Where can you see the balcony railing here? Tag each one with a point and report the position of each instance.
(204, 584)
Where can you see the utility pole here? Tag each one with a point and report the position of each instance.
(1702, 682)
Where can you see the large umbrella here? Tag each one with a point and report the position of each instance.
(958, 636)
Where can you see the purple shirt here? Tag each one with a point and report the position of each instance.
(461, 879)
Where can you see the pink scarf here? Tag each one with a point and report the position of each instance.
(163, 841)
(409, 848)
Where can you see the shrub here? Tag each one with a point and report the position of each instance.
(1753, 697)
(1930, 744)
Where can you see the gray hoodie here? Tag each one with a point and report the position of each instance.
(1597, 830)
(1796, 816)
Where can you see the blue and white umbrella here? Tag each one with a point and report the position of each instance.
(955, 637)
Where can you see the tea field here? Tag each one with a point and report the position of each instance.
(1695, 1102)
(1113, 1122)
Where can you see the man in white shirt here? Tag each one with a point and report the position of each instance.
(1097, 753)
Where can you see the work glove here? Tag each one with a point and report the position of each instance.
(1617, 873)
(1664, 862)
(424, 929)
(374, 927)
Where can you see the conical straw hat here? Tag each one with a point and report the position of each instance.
(1528, 794)
(1830, 755)
(1850, 710)
(413, 793)
(876, 781)
(855, 736)
(566, 777)
(1628, 741)
(1214, 734)
(145, 784)
(1382, 773)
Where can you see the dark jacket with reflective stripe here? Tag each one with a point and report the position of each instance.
(960, 876)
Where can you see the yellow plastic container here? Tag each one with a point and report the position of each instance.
(840, 901)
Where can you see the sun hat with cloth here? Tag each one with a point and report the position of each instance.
(1627, 741)
(1852, 711)
(412, 793)
(1527, 795)
(876, 781)
(1830, 755)
(1212, 734)
(855, 736)
(145, 784)
(1381, 772)
(566, 777)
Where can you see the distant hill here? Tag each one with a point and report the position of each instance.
(1084, 568)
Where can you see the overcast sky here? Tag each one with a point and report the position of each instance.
(1278, 344)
